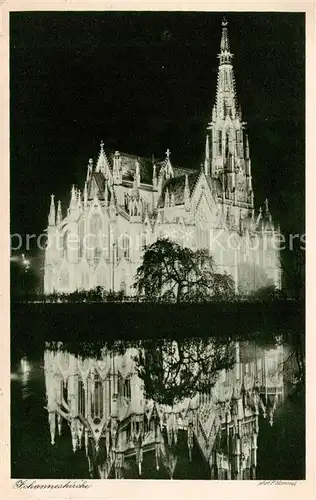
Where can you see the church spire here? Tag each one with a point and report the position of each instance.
(225, 96)
(52, 212)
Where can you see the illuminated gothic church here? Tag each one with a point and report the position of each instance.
(128, 202)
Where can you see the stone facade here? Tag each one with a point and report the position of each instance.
(128, 202)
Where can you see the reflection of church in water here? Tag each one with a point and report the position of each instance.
(125, 435)
(128, 202)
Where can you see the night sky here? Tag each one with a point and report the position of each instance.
(144, 82)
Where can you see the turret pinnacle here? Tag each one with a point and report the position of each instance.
(73, 199)
(207, 156)
(59, 213)
(168, 167)
(52, 212)
(102, 164)
(154, 178)
(85, 195)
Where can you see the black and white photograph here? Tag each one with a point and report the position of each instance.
(157, 245)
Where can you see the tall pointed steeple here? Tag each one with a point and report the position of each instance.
(227, 152)
(52, 212)
(225, 95)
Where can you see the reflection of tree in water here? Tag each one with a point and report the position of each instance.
(174, 370)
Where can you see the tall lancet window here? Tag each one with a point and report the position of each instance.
(123, 243)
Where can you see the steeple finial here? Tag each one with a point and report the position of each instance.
(102, 146)
(225, 55)
(168, 153)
